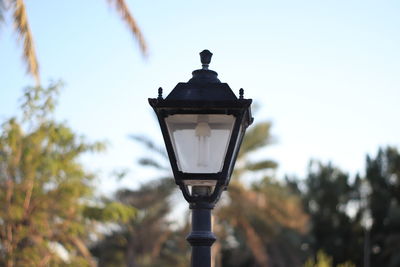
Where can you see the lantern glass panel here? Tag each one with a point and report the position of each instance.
(200, 141)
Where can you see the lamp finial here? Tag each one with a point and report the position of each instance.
(205, 57)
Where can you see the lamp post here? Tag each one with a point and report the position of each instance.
(203, 124)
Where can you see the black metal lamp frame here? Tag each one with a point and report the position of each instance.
(203, 94)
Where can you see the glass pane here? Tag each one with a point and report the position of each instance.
(200, 141)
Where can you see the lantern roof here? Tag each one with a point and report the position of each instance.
(203, 86)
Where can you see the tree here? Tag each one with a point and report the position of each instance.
(44, 190)
(262, 219)
(257, 223)
(326, 198)
(20, 19)
(383, 176)
(357, 221)
(148, 239)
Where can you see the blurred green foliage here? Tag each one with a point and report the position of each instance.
(264, 221)
(49, 215)
(44, 189)
(324, 260)
(259, 215)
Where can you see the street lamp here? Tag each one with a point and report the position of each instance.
(203, 124)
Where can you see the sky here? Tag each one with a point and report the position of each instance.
(324, 73)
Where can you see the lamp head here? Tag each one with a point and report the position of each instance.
(203, 125)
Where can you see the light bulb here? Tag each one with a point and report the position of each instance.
(203, 132)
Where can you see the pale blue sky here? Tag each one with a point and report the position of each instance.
(326, 73)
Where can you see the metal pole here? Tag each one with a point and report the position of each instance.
(201, 238)
(366, 247)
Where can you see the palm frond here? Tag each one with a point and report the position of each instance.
(126, 15)
(148, 143)
(148, 194)
(257, 137)
(24, 33)
(2, 10)
(261, 165)
(149, 162)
